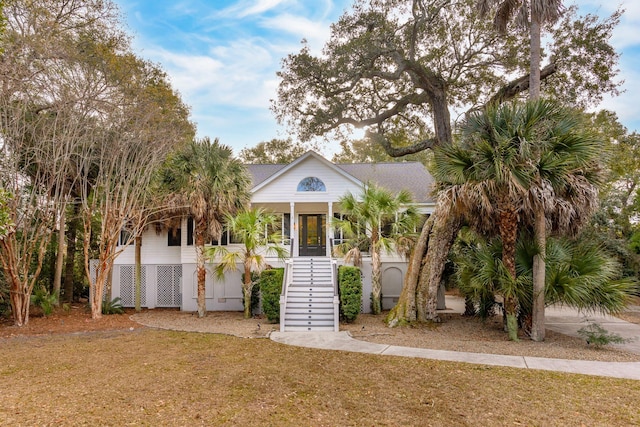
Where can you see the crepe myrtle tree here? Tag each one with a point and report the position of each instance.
(399, 67)
(45, 101)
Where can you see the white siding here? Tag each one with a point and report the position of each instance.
(284, 187)
(155, 249)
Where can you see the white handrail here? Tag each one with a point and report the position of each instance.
(336, 297)
(287, 279)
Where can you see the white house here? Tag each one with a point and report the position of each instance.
(305, 194)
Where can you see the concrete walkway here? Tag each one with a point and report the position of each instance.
(559, 319)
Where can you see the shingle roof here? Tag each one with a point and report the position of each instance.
(410, 176)
(396, 176)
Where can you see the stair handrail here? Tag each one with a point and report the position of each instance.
(336, 296)
(286, 281)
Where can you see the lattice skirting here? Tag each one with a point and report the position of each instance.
(160, 285)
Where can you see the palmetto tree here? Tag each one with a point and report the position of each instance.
(364, 218)
(510, 159)
(531, 15)
(579, 274)
(528, 14)
(206, 182)
(251, 227)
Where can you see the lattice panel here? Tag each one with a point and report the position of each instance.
(169, 278)
(127, 286)
(93, 272)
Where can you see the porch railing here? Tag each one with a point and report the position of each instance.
(286, 281)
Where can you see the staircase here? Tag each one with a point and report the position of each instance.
(309, 301)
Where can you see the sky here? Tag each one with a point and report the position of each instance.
(222, 56)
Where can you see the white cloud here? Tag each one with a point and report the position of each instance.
(245, 8)
(315, 32)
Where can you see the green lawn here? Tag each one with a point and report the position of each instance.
(151, 377)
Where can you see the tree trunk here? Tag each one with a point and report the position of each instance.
(138, 274)
(247, 287)
(444, 233)
(509, 236)
(539, 267)
(419, 296)
(534, 65)
(200, 231)
(57, 279)
(69, 268)
(376, 285)
(405, 309)
(539, 276)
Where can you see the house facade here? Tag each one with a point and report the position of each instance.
(305, 195)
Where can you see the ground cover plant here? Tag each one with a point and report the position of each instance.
(152, 377)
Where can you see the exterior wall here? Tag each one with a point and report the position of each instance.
(392, 279)
(280, 196)
(155, 249)
(221, 294)
(284, 188)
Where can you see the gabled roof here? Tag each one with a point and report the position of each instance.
(394, 176)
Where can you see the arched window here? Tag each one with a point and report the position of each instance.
(311, 183)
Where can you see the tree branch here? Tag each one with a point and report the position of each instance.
(513, 88)
(378, 138)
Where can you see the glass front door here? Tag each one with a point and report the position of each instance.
(313, 239)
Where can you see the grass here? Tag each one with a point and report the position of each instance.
(152, 377)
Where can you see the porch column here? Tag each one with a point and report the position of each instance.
(293, 230)
(329, 229)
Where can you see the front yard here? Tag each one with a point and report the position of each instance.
(152, 377)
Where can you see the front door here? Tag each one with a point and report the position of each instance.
(312, 235)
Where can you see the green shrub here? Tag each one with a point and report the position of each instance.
(595, 334)
(43, 299)
(350, 289)
(112, 307)
(271, 288)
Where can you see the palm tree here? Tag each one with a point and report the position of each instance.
(528, 14)
(580, 274)
(508, 161)
(531, 14)
(251, 227)
(364, 218)
(206, 182)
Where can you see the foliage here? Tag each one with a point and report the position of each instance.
(397, 68)
(271, 288)
(6, 223)
(579, 274)
(250, 227)
(364, 220)
(112, 307)
(43, 299)
(350, 288)
(595, 334)
(255, 292)
(276, 151)
(205, 181)
(367, 150)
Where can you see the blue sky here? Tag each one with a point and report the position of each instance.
(222, 56)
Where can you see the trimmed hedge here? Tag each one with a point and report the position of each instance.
(271, 288)
(350, 288)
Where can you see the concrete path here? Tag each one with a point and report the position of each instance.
(559, 319)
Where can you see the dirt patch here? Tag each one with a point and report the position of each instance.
(76, 319)
(456, 332)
